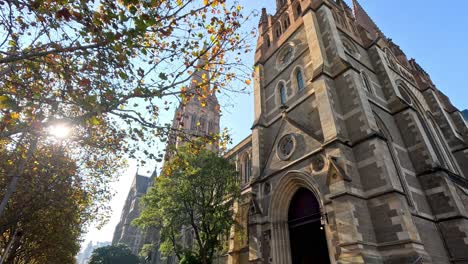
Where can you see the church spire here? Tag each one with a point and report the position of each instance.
(201, 81)
(263, 17)
(363, 19)
(199, 115)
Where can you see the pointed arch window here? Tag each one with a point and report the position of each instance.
(299, 80)
(366, 82)
(440, 145)
(247, 168)
(286, 22)
(210, 127)
(202, 124)
(241, 171)
(278, 31)
(282, 93)
(193, 122)
(184, 121)
(298, 10)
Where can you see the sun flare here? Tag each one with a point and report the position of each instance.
(59, 131)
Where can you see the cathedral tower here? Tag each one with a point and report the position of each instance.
(199, 116)
(356, 156)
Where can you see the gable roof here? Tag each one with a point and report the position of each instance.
(363, 19)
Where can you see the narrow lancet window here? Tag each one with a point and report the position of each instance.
(298, 10)
(282, 94)
(300, 80)
(247, 168)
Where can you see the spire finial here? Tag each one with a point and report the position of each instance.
(155, 173)
(263, 17)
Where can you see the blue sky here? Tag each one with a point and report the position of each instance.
(435, 33)
(432, 32)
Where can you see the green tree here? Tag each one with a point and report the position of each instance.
(195, 192)
(119, 254)
(44, 222)
(107, 70)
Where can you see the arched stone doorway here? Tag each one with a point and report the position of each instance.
(282, 197)
(307, 235)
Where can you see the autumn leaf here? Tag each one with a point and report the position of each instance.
(63, 13)
(4, 101)
(85, 82)
(107, 67)
(94, 121)
(14, 115)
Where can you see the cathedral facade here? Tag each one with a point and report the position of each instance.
(355, 156)
(125, 232)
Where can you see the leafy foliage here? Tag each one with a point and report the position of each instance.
(99, 65)
(108, 70)
(119, 254)
(189, 258)
(44, 222)
(195, 194)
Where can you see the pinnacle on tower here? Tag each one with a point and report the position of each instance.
(201, 77)
(155, 173)
(363, 19)
(263, 17)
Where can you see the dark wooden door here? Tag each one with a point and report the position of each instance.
(307, 236)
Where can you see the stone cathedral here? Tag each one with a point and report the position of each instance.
(355, 156)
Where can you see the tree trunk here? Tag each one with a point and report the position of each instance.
(16, 174)
(11, 247)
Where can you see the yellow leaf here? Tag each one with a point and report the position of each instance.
(247, 82)
(3, 101)
(14, 115)
(94, 121)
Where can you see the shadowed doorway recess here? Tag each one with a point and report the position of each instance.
(307, 235)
